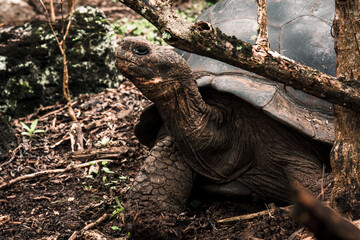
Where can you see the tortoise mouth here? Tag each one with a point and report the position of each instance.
(124, 63)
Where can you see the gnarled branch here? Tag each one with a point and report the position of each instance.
(202, 38)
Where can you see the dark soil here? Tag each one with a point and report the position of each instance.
(59, 205)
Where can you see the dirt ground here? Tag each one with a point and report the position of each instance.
(67, 196)
(55, 205)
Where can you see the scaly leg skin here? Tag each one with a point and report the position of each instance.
(162, 186)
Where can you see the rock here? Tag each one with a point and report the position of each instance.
(8, 139)
(31, 66)
(13, 12)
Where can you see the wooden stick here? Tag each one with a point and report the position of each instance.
(253, 215)
(323, 221)
(87, 227)
(262, 39)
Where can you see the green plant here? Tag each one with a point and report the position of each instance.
(118, 207)
(123, 180)
(105, 169)
(111, 184)
(142, 27)
(31, 131)
(138, 27)
(104, 141)
(115, 228)
(88, 188)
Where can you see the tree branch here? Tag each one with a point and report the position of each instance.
(324, 222)
(262, 39)
(202, 38)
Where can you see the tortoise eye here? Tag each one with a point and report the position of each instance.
(141, 50)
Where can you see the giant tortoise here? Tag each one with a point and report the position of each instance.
(234, 131)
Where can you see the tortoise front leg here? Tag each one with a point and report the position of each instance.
(164, 181)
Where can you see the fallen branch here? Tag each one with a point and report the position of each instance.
(46, 172)
(87, 227)
(324, 222)
(204, 39)
(254, 215)
(112, 153)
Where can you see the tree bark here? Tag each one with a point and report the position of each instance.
(324, 222)
(202, 38)
(345, 157)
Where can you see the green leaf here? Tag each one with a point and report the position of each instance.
(104, 163)
(115, 228)
(114, 213)
(90, 176)
(25, 126)
(117, 201)
(107, 170)
(34, 124)
(39, 131)
(25, 133)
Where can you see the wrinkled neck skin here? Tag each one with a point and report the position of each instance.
(181, 104)
(182, 108)
(197, 128)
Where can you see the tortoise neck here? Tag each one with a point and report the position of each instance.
(183, 101)
(183, 108)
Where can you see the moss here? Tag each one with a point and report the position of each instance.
(31, 64)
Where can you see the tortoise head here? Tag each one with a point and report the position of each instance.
(153, 69)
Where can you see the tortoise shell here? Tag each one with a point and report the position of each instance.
(300, 30)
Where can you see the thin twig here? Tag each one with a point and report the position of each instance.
(62, 47)
(253, 215)
(52, 10)
(46, 172)
(51, 26)
(56, 111)
(87, 227)
(262, 39)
